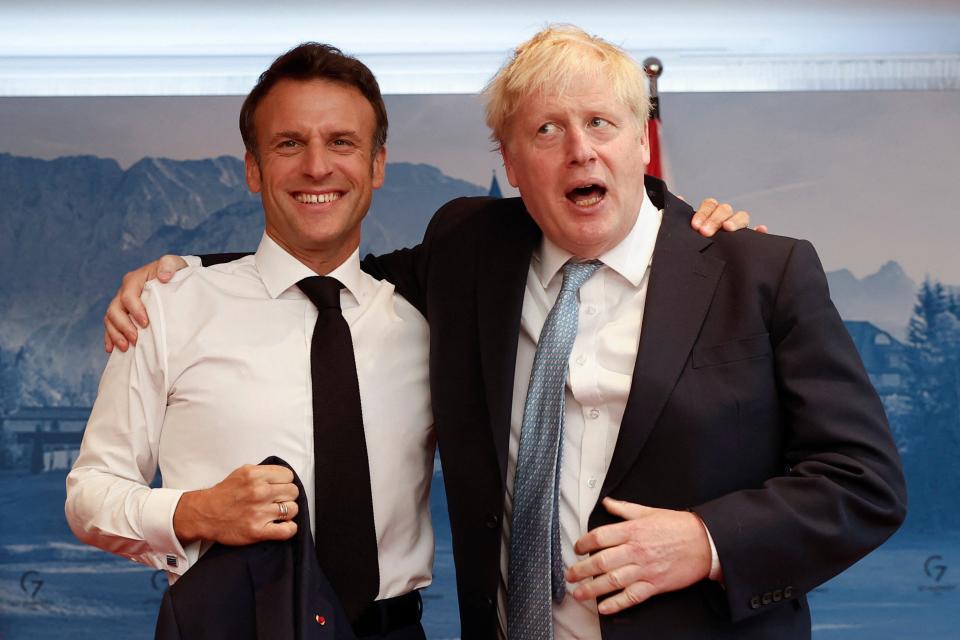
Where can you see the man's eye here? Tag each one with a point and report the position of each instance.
(598, 122)
(547, 128)
(340, 142)
(288, 144)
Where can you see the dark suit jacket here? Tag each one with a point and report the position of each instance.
(749, 405)
(270, 590)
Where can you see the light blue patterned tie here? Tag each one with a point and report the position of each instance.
(536, 567)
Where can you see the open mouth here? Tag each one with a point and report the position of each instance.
(316, 198)
(587, 195)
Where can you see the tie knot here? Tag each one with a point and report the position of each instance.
(323, 291)
(576, 273)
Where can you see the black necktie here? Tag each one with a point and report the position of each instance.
(345, 533)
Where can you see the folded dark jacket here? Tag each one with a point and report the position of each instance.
(265, 590)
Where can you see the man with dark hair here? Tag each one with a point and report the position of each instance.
(222, 377)
(309, 61)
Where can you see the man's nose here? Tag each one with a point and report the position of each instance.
(580, 148)
(316, 162)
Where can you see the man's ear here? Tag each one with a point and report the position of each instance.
(252, 169)
(645, 143)
(378, 168)
(508, 166)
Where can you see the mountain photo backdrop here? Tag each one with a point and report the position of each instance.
(94, 187)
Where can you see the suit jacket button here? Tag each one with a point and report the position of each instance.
(492, 521)
(755, 602)
(777, 595)
(767, 598)
(788, 593)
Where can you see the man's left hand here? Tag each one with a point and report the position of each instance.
(653, 551)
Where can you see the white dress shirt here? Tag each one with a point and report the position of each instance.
(600, 372)
(221, 378)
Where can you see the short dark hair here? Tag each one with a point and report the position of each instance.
(315, 61)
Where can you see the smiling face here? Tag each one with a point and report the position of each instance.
(578, 159)
(315, 168)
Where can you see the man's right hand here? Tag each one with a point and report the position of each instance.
(120, 330)
(241, 509)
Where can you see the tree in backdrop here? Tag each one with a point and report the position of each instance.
(11, 386)
(933, 389)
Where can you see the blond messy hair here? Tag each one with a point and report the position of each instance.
(549, 61)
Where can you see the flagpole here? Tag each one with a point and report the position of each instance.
(654, 68)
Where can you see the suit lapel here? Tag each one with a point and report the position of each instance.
(681, 286)
(502, 275)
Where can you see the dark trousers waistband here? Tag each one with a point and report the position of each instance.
(386, 616)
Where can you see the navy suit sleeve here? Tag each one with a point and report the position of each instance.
(403, 268)
(842, 492)
(406, 269)
(210, 259)
(167, 627)
(410, 269)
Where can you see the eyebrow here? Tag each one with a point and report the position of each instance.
(297, 135)
(345, 133)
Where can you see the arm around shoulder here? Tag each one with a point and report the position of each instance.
(408, 269)
(126, 311)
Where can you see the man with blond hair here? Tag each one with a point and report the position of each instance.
(628, 413)
(676, 427)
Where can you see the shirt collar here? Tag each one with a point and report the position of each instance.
(630, 257)
(280, 271)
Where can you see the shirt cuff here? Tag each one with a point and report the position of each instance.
(193, 261)
(716, 572)
(157, 522)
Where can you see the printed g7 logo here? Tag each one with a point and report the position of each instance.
(34, 582)
(934, 571)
